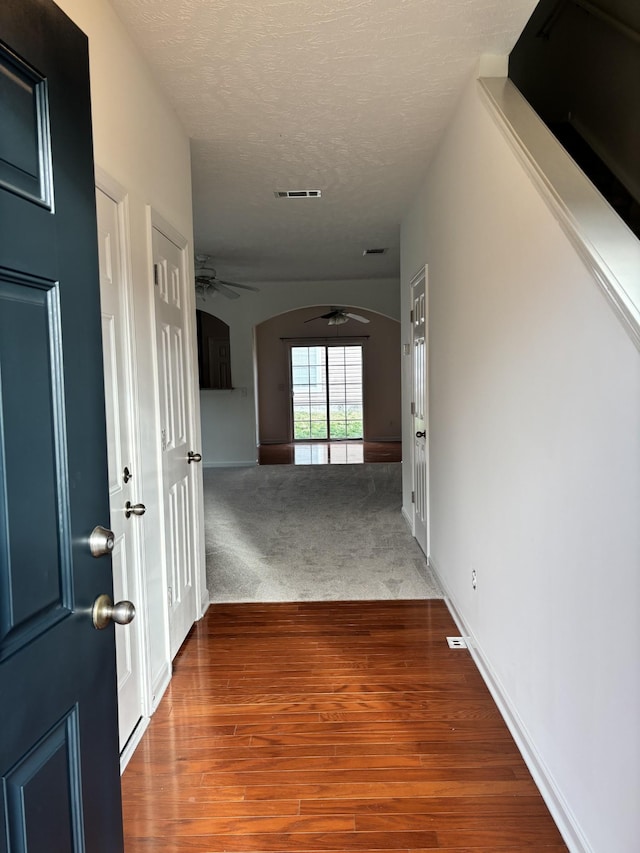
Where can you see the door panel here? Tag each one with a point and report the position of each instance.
(419, 328)
(33, 424)
(58, 740)
(25, 145)
(123, 487)
(178, 476)
(51, 765)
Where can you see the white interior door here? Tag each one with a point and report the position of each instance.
(419, 348)
(179, 475)
(124, 480)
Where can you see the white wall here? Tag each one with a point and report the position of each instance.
(229, 432)
(535, 469)
(140, 143)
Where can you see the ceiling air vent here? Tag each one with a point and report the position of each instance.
(374, 252)
(297, 193)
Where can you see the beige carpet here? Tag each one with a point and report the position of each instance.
(311, 533)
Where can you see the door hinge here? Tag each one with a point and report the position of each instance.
(411, 317)
(156, 277)
(413, 408)
(413, 497)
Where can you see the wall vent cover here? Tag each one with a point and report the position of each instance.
(297, 193)
(457, 642)
(374, 252)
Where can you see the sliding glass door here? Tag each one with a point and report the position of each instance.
(344, 369)
(309, 382)
(326, 382)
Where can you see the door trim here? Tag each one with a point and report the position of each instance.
(157, 221)
(423, 272)
(120, 196)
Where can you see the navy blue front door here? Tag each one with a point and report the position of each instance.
(58, 717)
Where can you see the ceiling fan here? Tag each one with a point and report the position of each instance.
(208, 282)
(338, 316)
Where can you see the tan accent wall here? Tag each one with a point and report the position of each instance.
(381, 370)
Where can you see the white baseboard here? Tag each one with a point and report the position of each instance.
(557, 805)
(160, 684)
(132, 743)
(204, 604)
(408, 519)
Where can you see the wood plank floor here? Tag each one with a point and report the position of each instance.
(329, 452)
(335, 727)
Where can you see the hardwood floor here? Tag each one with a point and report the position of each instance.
(329, 452)
(332, 727)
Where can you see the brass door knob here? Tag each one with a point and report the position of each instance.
(105, 611)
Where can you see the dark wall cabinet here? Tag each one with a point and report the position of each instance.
(214, 352)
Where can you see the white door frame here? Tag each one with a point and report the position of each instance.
(423, 273)
(110, 187)
(157, 221)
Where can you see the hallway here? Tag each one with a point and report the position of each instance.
(335, 727)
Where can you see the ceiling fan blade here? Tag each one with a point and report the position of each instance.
(224, 290)
(235, 284)
(335, 312)
(356, 317)
(328, 316)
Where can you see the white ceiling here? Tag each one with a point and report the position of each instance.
(346, 96)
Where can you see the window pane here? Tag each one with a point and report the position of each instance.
(345, 391)
(342, 397)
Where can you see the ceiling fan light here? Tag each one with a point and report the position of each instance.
(207, 281)
(338, 320)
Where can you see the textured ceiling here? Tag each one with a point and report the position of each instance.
(346, 96)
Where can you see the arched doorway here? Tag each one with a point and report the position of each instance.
(319, 382)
